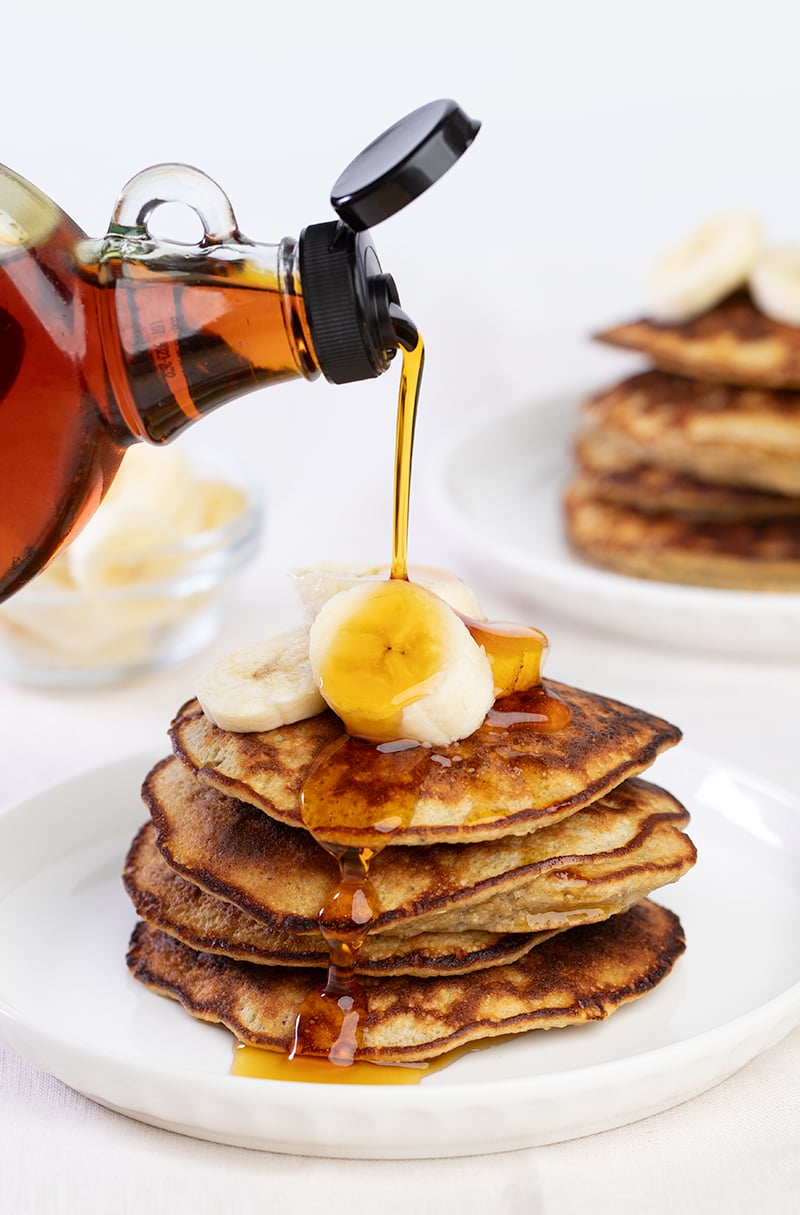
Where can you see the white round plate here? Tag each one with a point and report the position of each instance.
(498, 491)
(68, 1003)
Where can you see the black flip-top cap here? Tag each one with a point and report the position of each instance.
(341, 274)
(401, 163)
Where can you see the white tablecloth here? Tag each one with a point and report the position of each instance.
(733, 1151)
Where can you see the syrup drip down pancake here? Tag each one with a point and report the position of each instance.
(575, 978)
(510, 776)
(599, 860)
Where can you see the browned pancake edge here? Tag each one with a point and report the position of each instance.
(497, 781)
(745, 555)
(587, 866)
(576, 977)
(209, 924)
(733, 343)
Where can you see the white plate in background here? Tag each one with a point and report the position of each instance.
(68, 1004)
(498, 492)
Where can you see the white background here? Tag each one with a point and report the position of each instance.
(609, 130)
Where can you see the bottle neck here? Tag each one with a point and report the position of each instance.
(298, 329)
(187, 329)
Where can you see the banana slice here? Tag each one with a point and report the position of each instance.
(221, 503)
(396, 662)
(264, 686)
(162, 480)
(775, 284)
(155, 503)
(316, 584)
(122, 546)
(702, 270)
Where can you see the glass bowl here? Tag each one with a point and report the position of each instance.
(137, 592)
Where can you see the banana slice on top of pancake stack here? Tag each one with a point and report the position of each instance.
(689, 472)
(458, 850)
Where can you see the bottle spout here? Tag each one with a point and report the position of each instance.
(404, 328)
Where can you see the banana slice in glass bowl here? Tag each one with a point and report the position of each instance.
(146, 584)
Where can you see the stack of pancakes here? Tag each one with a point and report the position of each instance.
(514, 895)
(690, 472)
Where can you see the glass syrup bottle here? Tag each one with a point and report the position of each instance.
(104, 343)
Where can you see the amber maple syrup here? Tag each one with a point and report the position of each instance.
(179, 345)
(370, 789)
(269, 1065)
(97, 352)
(57, 431)
(362, 786)
(410, 380)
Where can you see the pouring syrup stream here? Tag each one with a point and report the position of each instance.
(330, 1021)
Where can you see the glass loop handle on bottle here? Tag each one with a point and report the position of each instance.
(174, 183)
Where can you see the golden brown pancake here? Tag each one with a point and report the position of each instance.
(176, 906)
(724, 436)
(736, 555)
(506, 777)
(583, 869)
(575, 977)
(657, 490)
(733, 343)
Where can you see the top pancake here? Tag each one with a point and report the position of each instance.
(506, 778)
(733, 343)
(760, 555)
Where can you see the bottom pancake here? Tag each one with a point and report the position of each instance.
(735, 555)
(581, 975)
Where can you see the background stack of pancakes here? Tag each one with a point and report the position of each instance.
(514, 897)
(690, 472)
